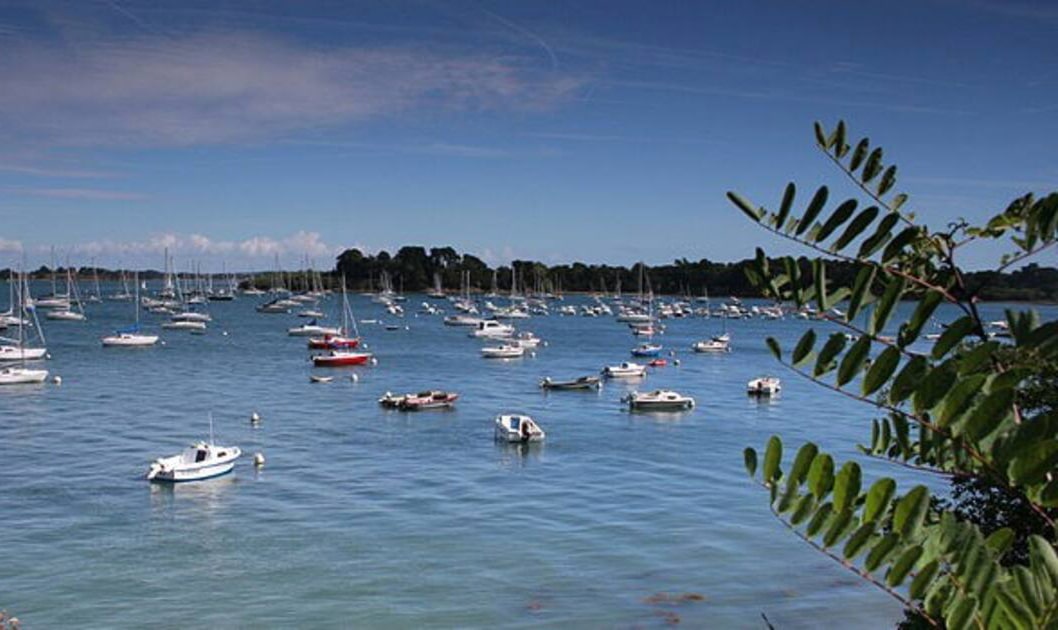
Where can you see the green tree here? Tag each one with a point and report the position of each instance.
(962, 409)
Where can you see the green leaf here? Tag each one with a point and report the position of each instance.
(750, 457)
(887, 180)
(897, 202)
(899, 242)
(903, 565)
(853, 361)
(1034, 462)
(785, 205)
(959, 399)
(860, 291)
(883, 367)
(923, 312)
(923, 580)
(821, 135)
(858, 540)
(819, 267)
(773, 345)
(772, 457)
(878, 498)
(821, 476)
(819, 519)
(1029, 593)
(839, 526)
(989, 414)
(952, 335)
(802, 509)
(872, 166)
(962, 613)
(908, 379)
(882, 549)
(847, 486)
(859, 153)
(805, 456)
(1000, 540)
(831, 348)
(814, 208)
(745, 206)
(911, 511)
(838, 218)
(858, 225)
(893, 290)
(837, 141)
(935, 386)
(804, 347)
(882, 234)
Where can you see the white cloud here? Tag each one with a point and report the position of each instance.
(9, 246)
(219, 87)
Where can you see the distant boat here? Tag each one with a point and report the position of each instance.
(647, 350)
(341, 358)
(764, 386)
(626, 369)
(505, 351)
(719, 343)
(518, 428)
(583, 382)
(199, 461)
(659, 400)
(24, 317)
(131, 337)
(428, 400)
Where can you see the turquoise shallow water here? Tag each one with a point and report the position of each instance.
(369, 518)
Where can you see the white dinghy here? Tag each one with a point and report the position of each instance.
(506, 351)
(518, 428)
(627, 369)
(764, 386)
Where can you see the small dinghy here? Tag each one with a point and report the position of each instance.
(647, 350)
(341, 358)
(506, 351)
(184, 324)
(627, 369)
(656, 363)
(314, 378)
(518, 428)
(428, 400)
(390, 400)
(199, 461)
(659, 400)
(764, 386)
(584, 382)
(525, 340)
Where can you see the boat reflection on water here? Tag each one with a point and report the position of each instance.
(519, 454)
(208, 496)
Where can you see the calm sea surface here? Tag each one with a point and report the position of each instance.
(364, 517)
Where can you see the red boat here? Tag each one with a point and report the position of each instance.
(333, 342)
(338, 358)
(658, 363)
(428, 400)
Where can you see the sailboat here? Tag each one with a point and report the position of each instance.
(54, 299)
(131, 337)
(74, 310)
(96, 296)
(123, 295)
(437, 292)
(342, 340)
(648, 349)
(20, 374)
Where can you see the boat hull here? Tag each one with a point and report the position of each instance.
(328, 360)
(19, 376)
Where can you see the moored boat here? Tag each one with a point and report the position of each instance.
(433, 399)
(340, 358)
(21, 376)
(583, 382)
(627, 369)
(764, 386)
(647, 350)
(506, 351)
(659, 400)
(518, 428)
(199, 461)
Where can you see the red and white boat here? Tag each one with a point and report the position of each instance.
(340, 358)
(428, 400)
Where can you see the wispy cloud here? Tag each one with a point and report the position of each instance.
(57, 173)
(300, 243)
(219, 87)
(8, 246)
(86, 194)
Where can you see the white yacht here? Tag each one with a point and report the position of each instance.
(659, 400)
(493, 329)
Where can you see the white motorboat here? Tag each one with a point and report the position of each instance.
(66, 315)
(201, 460)
(184, 325)
(659, 400)
(313, 329)
(720, 343)
(21, 376)
(198, 461)
(506, 351)
(311, 312)
(518, 428)
(492, 329)
(462, 320)
(627, 369)
(525, 340)
(583, 382)
(764, 386)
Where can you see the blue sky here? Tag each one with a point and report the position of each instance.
(603, 131)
